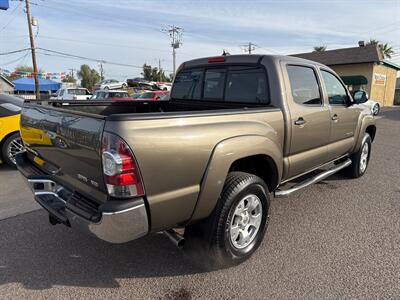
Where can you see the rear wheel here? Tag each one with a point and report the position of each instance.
(237, 225)
(11, 147)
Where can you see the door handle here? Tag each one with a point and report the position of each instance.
(335, 117)
(300, 121)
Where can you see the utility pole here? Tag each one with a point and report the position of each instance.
(249, 47)
(175, 33)
(159, 70)
(101, 72)
(35, 70)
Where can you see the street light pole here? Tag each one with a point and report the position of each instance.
(35, 70)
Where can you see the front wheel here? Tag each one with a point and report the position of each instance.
(376, 109)
(360, 159)
(237, 225)
(11, 147)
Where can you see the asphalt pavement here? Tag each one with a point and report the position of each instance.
(337, 239)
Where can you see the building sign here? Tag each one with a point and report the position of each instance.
(4, 5)
(379, 79)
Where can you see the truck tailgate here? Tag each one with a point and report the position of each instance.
(67, 146)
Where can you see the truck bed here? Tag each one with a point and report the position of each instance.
(150, 108)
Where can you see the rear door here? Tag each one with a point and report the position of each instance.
(343, 117)
(309, 119)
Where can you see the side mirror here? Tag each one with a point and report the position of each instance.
(360, 96)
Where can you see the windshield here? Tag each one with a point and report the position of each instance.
(118, 95)
(78, 92)
(146, 95)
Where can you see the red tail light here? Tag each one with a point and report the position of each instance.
(120, 169)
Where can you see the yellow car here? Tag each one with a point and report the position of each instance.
(10, 140)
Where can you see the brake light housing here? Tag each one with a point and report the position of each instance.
(120, 170)
(216, 59)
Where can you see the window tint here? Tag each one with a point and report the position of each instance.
(187, 84)
(304, 85)
(214, 82)
(336, 91)
(246, 84)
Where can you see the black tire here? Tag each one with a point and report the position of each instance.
(376, 109)
(124, 86)
(213, 234)
(6, 145)
(354, 170)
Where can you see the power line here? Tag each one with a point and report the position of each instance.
(12, 19)
(15, 51)
(49, 52)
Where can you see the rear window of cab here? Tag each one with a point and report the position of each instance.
(241, 84)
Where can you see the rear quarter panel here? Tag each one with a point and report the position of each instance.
(173, 155)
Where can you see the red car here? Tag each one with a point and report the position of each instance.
(153, 96)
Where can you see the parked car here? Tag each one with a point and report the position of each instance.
(165, 86)
(72, 94)
(111, 84)
(236, 129)
(151, 96)
(361, 97)
(10, 140)
(111, 95)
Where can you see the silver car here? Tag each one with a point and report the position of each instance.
(111, 84)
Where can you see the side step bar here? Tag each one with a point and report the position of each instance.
(285, 193)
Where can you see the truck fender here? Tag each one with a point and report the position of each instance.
(367, 124)
(224, 155)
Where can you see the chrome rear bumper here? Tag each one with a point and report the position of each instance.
(113, 224)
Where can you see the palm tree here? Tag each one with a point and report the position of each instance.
(386, 49)
(319, 48)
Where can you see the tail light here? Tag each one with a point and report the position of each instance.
(121, 173)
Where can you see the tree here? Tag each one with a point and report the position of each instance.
(69, 78)
(319, 48)
(386, 49)
(26, 69)
(154, 74)
(88, 76)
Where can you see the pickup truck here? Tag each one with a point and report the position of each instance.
(202, 166)
(72, 94)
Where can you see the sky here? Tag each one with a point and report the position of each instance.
(129, 32)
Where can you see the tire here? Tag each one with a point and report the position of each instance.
(360, 159)
(11, 146)
(376, 109)
(124, 86)
(238, 223)
(106, 88)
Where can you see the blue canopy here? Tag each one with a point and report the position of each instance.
(28, 85)
(4, 5)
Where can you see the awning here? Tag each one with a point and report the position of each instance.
(28, 85)
(354, 80)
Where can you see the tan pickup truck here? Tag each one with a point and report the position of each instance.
(236, 130)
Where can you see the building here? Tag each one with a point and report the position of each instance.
(361, 67)
(6, 86)
(397, 92)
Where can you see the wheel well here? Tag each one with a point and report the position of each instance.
(262, 166)
(3, 140)
(371, 130)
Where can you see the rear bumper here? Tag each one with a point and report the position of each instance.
(114, 221)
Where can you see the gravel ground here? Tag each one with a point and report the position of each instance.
(337, 239)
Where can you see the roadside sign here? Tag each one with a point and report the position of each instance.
(379, 79)
(4, 5)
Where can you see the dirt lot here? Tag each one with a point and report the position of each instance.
(336, 239)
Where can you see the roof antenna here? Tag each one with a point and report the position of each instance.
(225, 53)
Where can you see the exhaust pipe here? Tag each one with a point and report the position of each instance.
(175, 237)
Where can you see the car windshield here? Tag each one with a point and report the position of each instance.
(118, 95)
(146, 95)
(78, 92)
